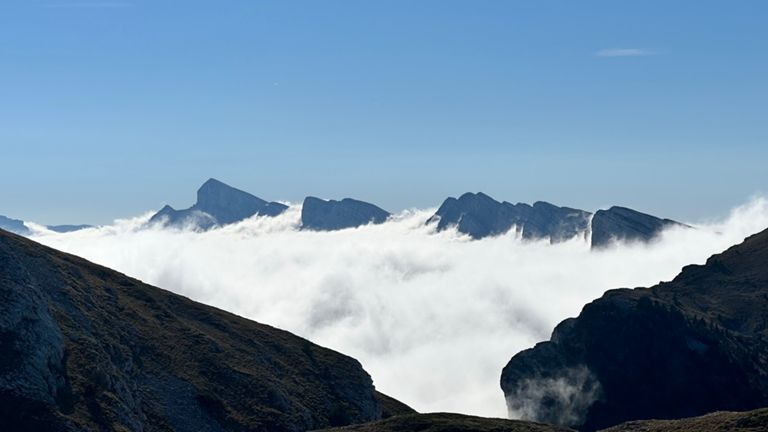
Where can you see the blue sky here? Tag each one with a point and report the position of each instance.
(111, 108)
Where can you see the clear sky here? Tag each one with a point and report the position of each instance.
(111, 108)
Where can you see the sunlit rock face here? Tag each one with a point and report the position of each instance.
(623, 224)
(322, 215)
(682, 348)
(479, 216)
(217, 204)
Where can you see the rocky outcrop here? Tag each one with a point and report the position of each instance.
(322, 215)
(478, 215)
(623, 224)
(682, 348)
(749, 421)
(445, 422)
(83, 347)
(217, 204)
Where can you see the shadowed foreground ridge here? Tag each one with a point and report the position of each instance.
(83, 347)
(446, 422)
(683, 348)
(750, 421)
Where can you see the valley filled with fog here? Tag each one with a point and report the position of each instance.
(432, 316)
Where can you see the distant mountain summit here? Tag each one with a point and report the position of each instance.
(623, 224)
(683, 348)
(322, 215)
(479, 216)
(217, 204)
(14, 225)
(17, 226)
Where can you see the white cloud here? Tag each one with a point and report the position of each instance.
(624, 52)
(433, 317)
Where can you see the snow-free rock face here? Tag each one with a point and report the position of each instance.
(322, 215)
(67, 228)
(217, 204)
(683, 348)
(479, 216)
(623, 224)
(83, 347)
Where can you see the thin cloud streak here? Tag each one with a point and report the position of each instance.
(624, 52)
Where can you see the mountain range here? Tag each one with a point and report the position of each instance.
(17, 226)
(474, 214)
(479, 216)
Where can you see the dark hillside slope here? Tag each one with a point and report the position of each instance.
(447, 422)
(683, 348)
(83, 347)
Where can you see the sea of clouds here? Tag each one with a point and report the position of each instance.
(433, 317)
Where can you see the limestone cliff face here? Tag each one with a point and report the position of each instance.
(322, 215)
(479, 216)
(682, 348)
(83, 347)
(620, 223)
(217, 204)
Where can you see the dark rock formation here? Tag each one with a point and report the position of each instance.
(623, 224)
(750, 421)
(321, 215)
(83, 347)
(479, 215)
(14, 225)
(391, 407)
(217, 204)
(683, 348)
(445, 422)
(67, 228)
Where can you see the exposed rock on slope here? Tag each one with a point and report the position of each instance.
(445, 422)
(217, 204)
(321, 215)
(620, 223)
(479, 215)
(683, 348)
(750, 421)
(83, 347)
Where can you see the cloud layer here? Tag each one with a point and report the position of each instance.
(433, 317)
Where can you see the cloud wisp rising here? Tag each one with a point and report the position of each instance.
(433, 317)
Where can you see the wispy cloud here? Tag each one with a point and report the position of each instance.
(624, 52)
(89, 5)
